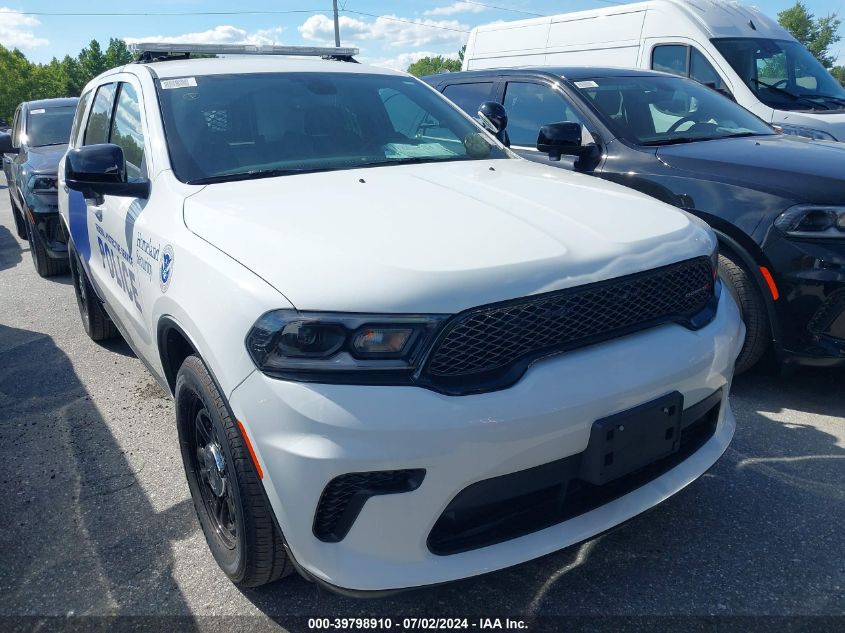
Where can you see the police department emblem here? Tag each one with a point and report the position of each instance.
(165, 273)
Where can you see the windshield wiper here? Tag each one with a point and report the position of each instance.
(839, 100)
(253, 175)
(409, 160)
(674, 141)
(791, 95)
(694, 139)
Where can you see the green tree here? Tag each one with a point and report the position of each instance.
(434, 65)
(817, 34)
(838, 73)
(15, 72)
(22, 80)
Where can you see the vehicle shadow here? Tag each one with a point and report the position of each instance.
(759, 534)
(10, 249)
(80, 535)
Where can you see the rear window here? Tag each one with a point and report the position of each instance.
(227, 127)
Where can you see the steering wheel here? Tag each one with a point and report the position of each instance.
(779, 84)
(679, 123)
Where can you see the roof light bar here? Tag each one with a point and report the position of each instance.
(156, 49)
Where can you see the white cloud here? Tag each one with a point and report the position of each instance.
(456, 7)
(223, 34)
(390, 29)
(403, 60)
(16, 30)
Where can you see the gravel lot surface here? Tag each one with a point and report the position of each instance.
(96, 517)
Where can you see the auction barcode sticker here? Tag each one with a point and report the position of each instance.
(182, 82)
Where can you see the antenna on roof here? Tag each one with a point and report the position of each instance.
(161, 51)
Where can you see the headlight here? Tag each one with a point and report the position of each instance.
(806, 132)
(43, 184)
(813, 221)
(340, 347)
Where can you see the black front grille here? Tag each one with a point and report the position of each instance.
(344, 496)
(486, 342)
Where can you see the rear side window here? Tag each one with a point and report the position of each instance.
(127, 131)
(97, 130)
(469, 96)
(77, 118)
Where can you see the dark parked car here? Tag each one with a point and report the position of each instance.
(31, 154)
(776, 202)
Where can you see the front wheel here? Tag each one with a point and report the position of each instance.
(45, 265)
(20, 226)
(752, 306)
(228, 497)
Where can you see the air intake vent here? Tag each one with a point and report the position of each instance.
(344, 496)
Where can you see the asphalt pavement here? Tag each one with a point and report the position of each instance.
(96, 519)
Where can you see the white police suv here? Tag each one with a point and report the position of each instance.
(400, 355)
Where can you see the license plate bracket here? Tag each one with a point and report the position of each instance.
(627, 441)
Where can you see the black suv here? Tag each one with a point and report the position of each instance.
(31, 154)
(776, 202)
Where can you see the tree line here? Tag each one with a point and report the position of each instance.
(23, 80)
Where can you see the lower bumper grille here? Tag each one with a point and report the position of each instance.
(510, 506)
(344, 496)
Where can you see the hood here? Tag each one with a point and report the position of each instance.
(438, 238)
(44, 160)
(791, 167)
(830, 121)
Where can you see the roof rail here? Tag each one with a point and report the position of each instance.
(161, 51)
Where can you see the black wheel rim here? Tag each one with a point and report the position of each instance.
(212, 474)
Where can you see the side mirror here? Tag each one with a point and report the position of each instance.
(493, 116)
(557, 139)
(6, 146)
(100, 170)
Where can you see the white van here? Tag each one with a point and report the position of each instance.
(735, 49)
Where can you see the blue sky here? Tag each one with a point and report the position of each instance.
(388, 33)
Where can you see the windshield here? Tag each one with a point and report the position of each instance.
(784, 75)
(654, 110)
(49, 126)
(231, 127)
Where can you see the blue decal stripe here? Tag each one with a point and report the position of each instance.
(78, 217)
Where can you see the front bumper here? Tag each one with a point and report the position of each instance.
(810, 275)
(305, 435)
(43, 211)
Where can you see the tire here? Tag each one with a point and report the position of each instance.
(45, 265)
(20, 226)
(752, 306)
(235, 516)
(98, 326)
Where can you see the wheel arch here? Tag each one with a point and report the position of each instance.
(750, 255)
(174, 346)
